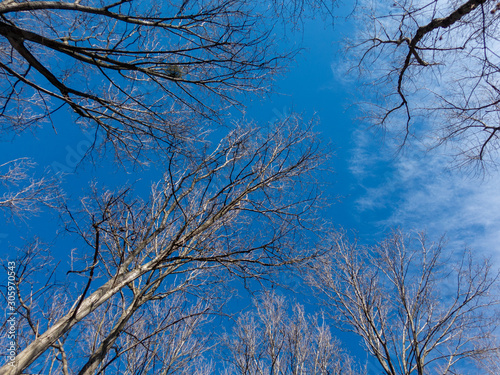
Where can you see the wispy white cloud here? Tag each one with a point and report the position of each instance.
(455, 93)
(414, 188)
(417, 190)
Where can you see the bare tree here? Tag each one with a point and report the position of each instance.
(191, 233)
(491, 363)
(417, 311)
(24, 195)
(147, 77)
(270, 340)
(140, 72)
(163, 337)
(435, 66)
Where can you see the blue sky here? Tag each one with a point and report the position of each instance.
(373, 188)
(380, 186)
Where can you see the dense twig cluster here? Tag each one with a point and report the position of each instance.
(437, 62)
(416, 309)
(148, 274)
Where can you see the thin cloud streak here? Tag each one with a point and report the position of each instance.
(418, 191)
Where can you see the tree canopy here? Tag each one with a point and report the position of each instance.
(144, 279)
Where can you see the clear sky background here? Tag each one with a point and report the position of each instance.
(380, 186)
(373, 188)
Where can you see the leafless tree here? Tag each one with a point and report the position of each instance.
(491, 364)
(164, 337)
(190, 235)
(417, 311)
(139, 72)
(161, 338)
(270, 340)
(435, 65)
(24, 195)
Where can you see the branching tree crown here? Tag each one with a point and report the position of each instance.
(271, 340)
(435, 66)
(143, 73)
(24, 195)
(417, 310)
(193, 231)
